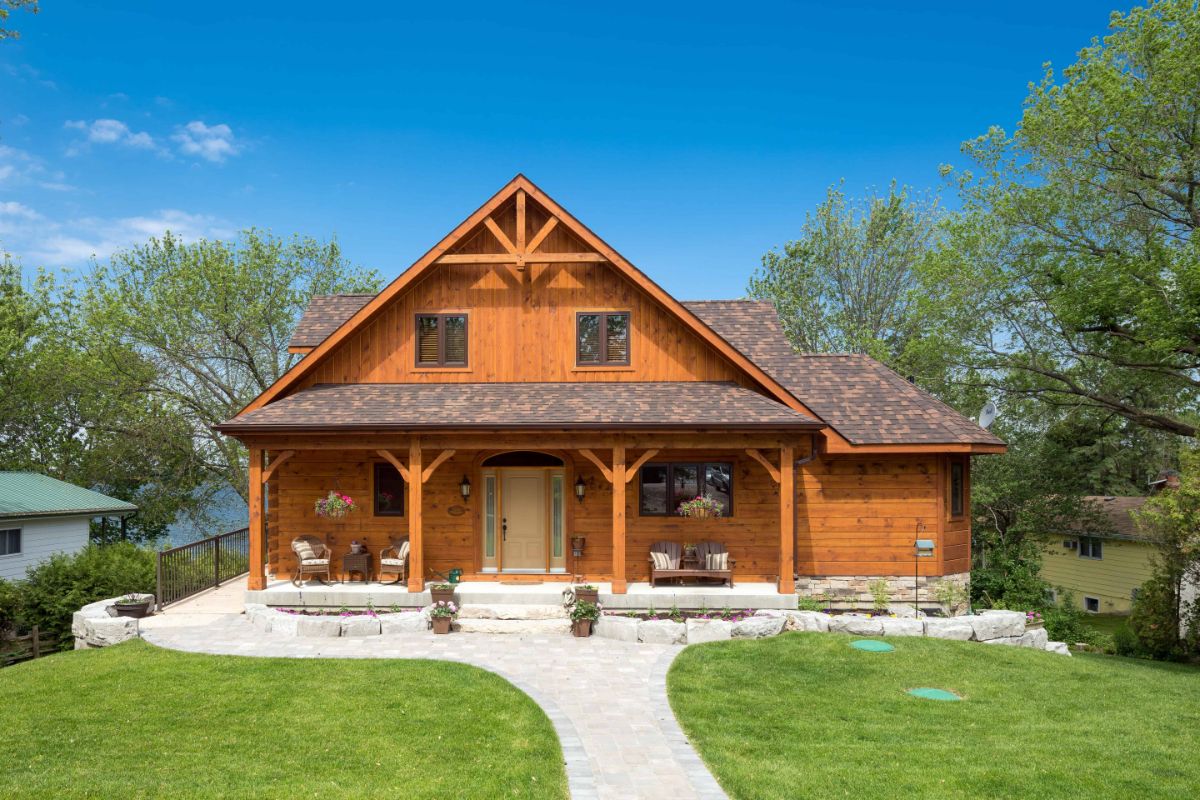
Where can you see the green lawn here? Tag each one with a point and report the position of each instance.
(805, 715)
(134, 721)
(1106, 624)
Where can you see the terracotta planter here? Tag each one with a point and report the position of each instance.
(442, 624)
(442, 595)
(587, 596)
(135, 610)
(1029, 626)
(582, 628)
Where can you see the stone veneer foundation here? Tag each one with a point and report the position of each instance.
(854, 591)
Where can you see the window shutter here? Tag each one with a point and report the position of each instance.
(455, 331)
(587, 343)
(617, 338)
(427, 340)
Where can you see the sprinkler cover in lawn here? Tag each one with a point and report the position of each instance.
(927, 693)
(872, 646)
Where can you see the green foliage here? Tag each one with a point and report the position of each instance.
(807, 603)
(56, 588)
(845, 284)
(11, 606)
(1065, 622)
(6, 8)
(880, 597)
(585, 610)
(1125, 642)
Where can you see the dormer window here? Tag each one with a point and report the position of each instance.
(441, 340)
(602, 338)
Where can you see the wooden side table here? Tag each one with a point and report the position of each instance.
(356, 562)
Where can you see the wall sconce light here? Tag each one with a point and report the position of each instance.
(580, 488)
(577, 545)
(465, 487)
(922, 548)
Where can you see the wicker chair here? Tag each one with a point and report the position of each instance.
(395, 564)
(313, 557)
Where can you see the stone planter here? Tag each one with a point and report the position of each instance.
(136, 610)
(581, 628)
(442, 624)
(587, 596)
(442, 595)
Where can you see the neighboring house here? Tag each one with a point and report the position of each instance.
(1102, 569)
(524, 400)
(41, 516)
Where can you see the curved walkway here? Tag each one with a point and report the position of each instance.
(606, 699)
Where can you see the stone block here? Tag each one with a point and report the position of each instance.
(662, 631)
(958, 628)
(517, 626)
(327, 627)
(284, 623)
(1058, 647)
(856, 624)
(623, 629)
(513, 611)
(1014, 641)
(710, 630)
(902, 627)
(995, 624)
(813, 621)
(1036, 638)
(755, 627)
(114, 630)
(262, 619)
(364, 625)
(404, 622)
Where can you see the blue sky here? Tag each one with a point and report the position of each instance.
(692, 137)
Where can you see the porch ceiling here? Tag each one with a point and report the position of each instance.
(526, 406)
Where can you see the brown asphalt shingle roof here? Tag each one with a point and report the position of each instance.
(522, 405)
(1119, 511)
(862, 399)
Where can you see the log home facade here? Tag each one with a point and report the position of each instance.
(523, 401)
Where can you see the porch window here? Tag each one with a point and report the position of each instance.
(664, 486)
(557, 556)
(10, 542)
(489, 518)
(389, 491)
(957, 489)
(441, 340)
(602, 338)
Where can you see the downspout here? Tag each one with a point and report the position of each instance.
(812, 454)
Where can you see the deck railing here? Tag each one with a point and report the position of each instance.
(185, 570)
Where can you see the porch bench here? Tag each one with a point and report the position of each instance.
(675, 568)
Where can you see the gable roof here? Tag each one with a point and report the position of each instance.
(520, 187)
(545, 406)
(324, 315)
(1120, 514)
(28, 494)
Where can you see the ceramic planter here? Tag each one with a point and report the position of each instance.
(442, 595)
(135, 610)
(582, 628)
(442, 624)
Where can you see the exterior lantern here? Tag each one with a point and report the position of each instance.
(922, 548)
(465, 487)
(577, 545)
(580, 488)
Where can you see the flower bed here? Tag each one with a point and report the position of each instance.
(679, 615)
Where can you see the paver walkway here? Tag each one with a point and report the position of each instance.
(606, 699)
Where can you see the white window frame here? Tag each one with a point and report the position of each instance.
(20, 541)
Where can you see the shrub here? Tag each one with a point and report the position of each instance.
(880, 597)
(806, 603)
(1125, 642)
(56, 588)
(1064, 622)
(11, 607)
(1155, 618)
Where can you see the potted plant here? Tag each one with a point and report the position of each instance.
(442, 614)
(356, 546)
(587, 593)
(334, 505)
(133, 605)
(701, 506)
(1033, 619)
(689, 550)
(583, 615)
(441, 592)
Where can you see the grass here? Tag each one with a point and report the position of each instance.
(134, 721)
(1106, 624)
(805, 715)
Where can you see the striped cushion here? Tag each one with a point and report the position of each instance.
(403, 553)
(392, 562)
(304, 550)
(718, 561)
(315, 562)
(661, 560)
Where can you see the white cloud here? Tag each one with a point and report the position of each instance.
(108, 131)
(20, 168)
(211, 142)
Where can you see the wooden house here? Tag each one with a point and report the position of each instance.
(524, 401)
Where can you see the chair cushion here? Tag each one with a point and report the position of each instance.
(315, 562)
(718, 561)
(304, 550)
(661, 560)
(402, 552)
(392, 562)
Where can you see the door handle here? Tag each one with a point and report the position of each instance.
(504, 529)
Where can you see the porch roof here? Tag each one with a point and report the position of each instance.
(607, 405)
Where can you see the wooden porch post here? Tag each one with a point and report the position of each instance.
(787, 519)
(416, 555)
(257, 578)
(618, 519)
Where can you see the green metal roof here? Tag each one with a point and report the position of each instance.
(28, 494)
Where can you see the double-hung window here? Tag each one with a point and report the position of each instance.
(1091, 547)
(441, 340)
(10, 541)
(602, 338)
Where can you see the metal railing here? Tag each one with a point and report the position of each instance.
(206, 563)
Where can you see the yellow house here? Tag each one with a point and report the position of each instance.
(1104, 570)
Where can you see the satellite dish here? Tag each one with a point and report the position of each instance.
(988, 415)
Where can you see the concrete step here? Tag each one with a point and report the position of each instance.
(538, 626)
(510, 611)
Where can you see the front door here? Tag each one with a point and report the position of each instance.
(523, 523)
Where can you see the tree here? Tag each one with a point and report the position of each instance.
(212, 320)
(6, 8)
(845, 284)
(1072, 274)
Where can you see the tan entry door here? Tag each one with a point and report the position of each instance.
(523, 498)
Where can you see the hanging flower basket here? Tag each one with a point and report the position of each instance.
(701, 506)
(335, 506)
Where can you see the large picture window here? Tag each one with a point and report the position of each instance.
(389, 491)
(602, 338)
(441, 340)
(664, 486)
